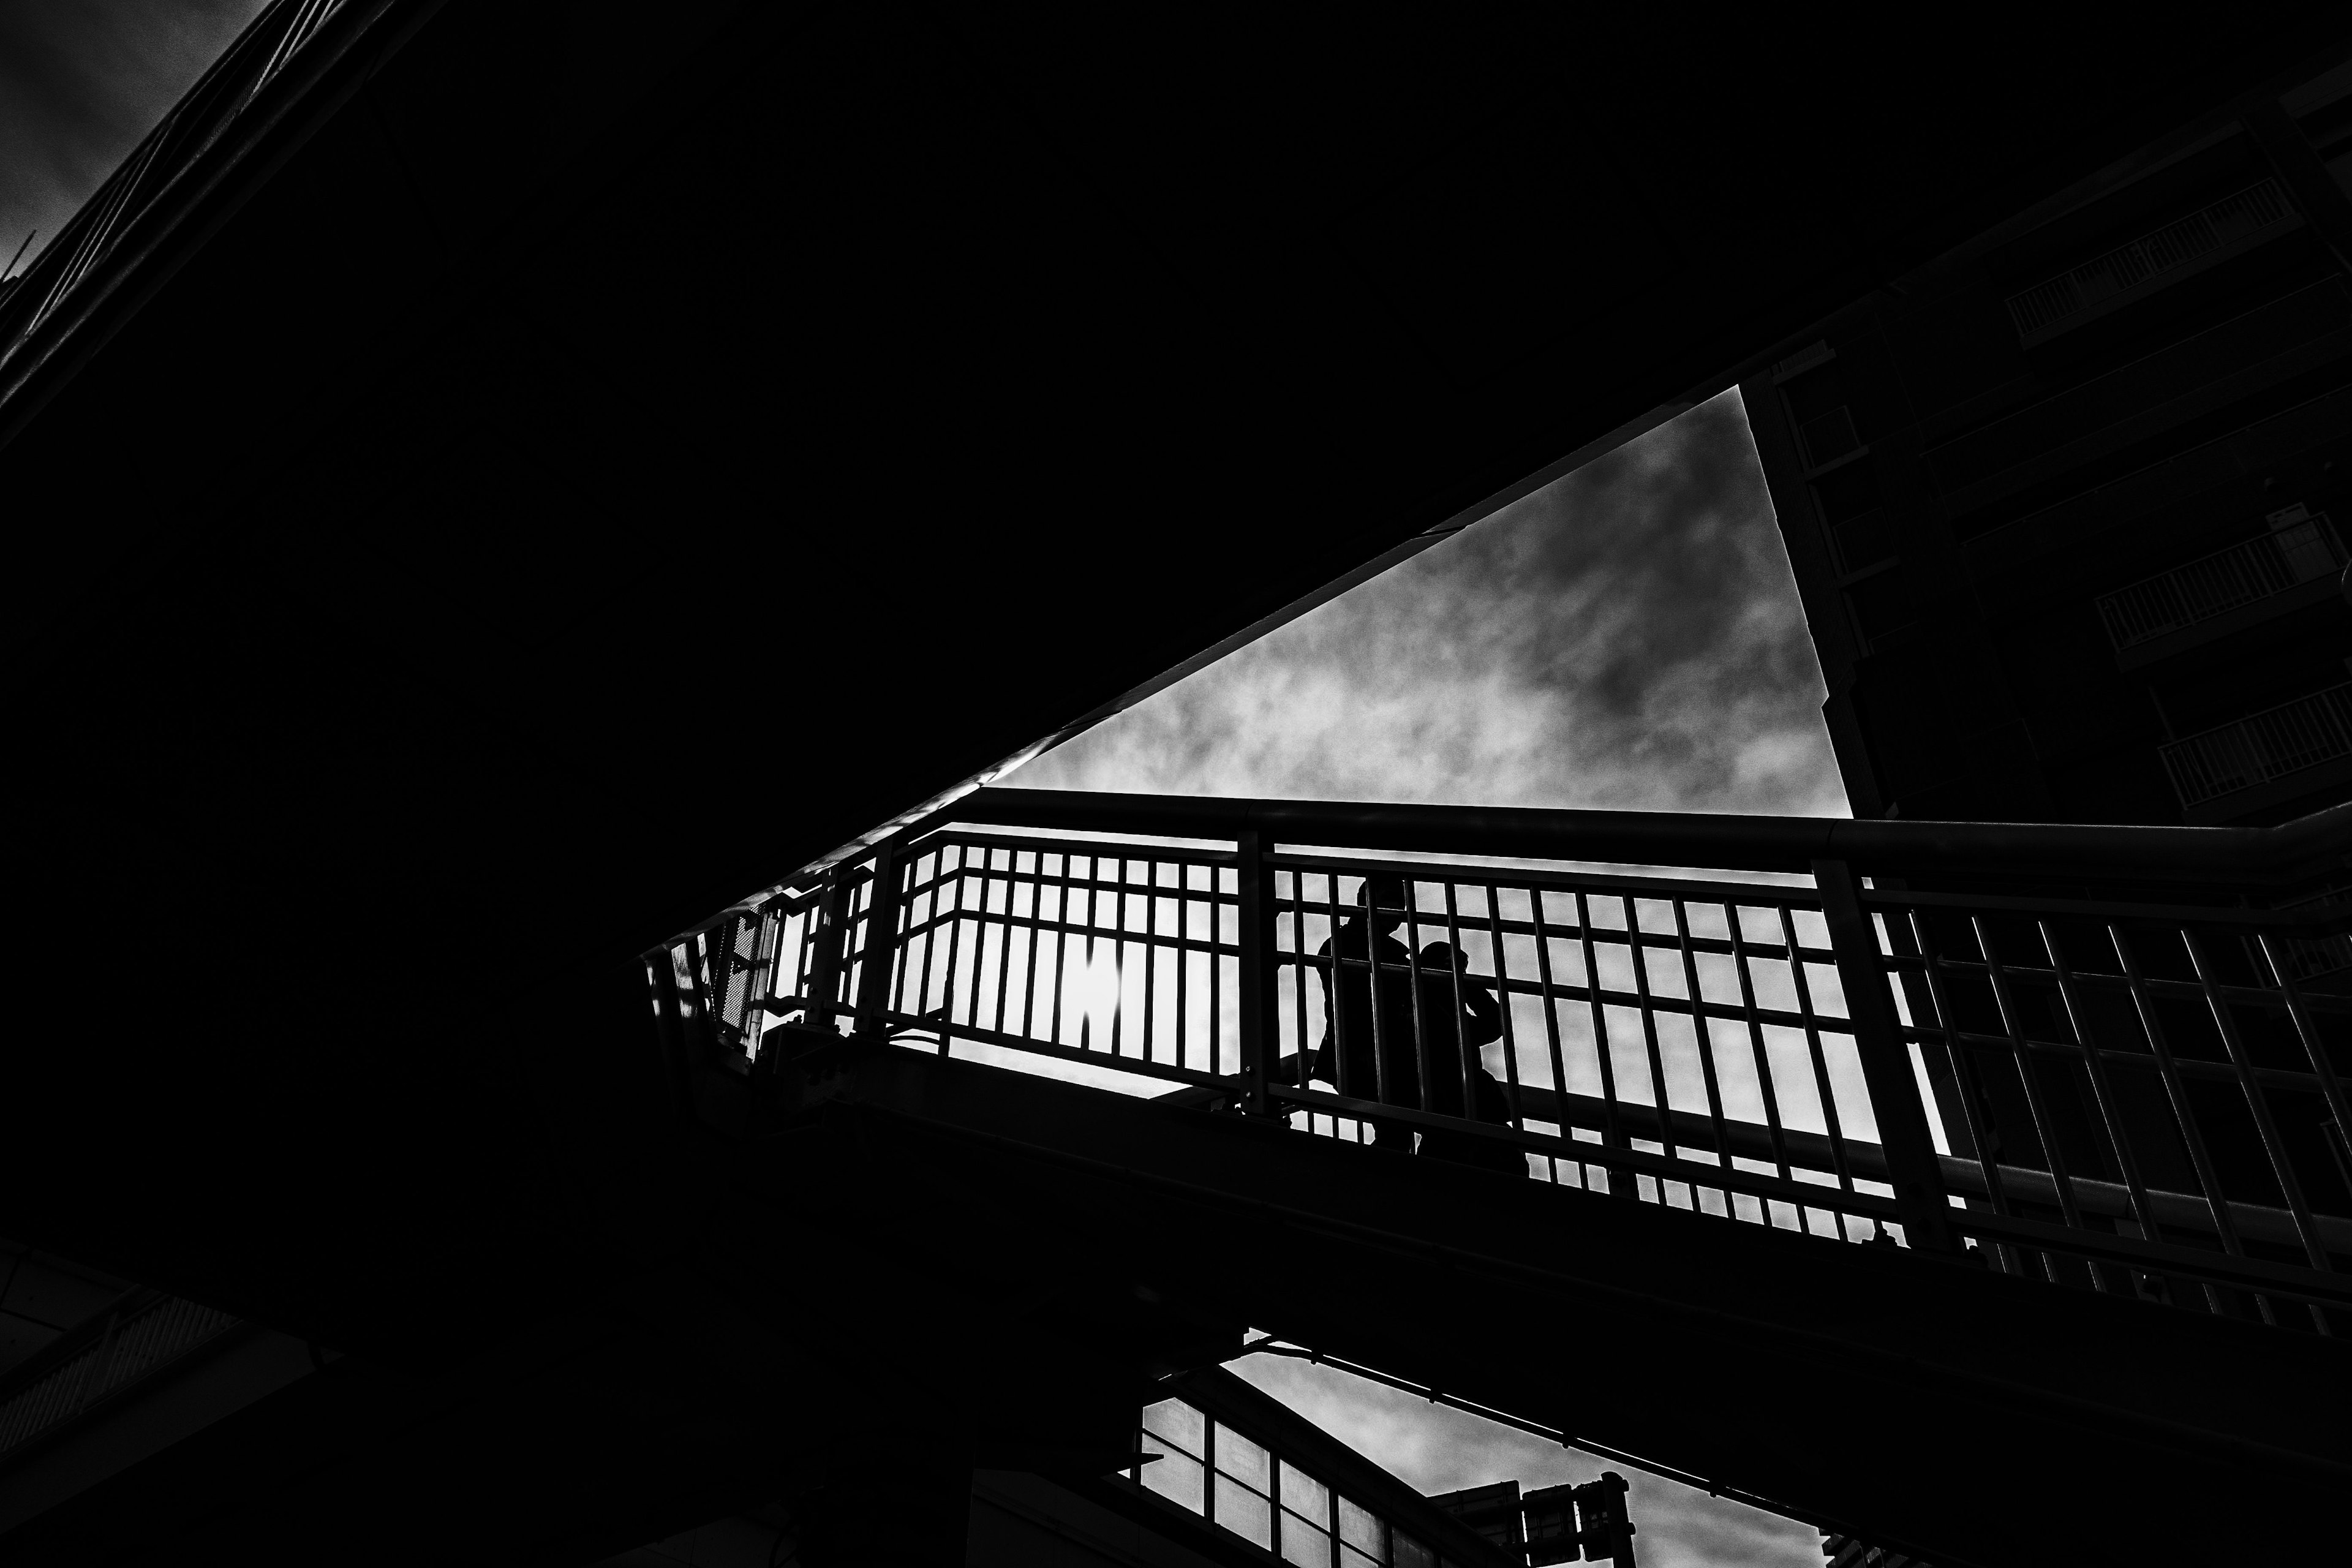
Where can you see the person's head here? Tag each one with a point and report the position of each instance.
(1387, 897)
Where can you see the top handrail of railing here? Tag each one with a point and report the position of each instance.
(2240, 856)
(2242, 859)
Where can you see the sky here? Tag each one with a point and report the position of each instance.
(1629, 637)
(80, 82)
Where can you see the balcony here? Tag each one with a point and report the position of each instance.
(2302, 550)
(2153, 261)
(2263, 748)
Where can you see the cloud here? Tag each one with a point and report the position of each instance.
(1435, 1448)
(1629, 637)
(80, 82)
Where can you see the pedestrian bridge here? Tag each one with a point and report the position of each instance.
(1842, 1166)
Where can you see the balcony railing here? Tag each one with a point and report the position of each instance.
(2125, 1096)
(2256, 750)
(92, 1363)
(2176, 245)
(2213, 585)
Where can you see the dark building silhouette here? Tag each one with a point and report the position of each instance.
(2067, 505)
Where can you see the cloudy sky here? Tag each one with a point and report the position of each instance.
(80, 82)
(1629, 637)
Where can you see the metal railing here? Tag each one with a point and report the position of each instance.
(2176, 244)
(141, 1334)
(2141, 1098)
(2262, 747)
(2215, 585)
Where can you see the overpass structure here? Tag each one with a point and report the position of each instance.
(496, 485)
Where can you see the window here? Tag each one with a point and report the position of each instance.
(1206, 1466)
(1306, 1519)
(1363, 1536)
(1180, 1436)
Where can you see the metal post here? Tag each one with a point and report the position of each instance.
(824, 968)
(881, 946)
(1903, 1133)
(1257, 996)
(668, 1023)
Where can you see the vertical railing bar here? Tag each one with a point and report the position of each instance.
(1184, 960)
(1424, 1070)
(1964, 1072)
(955, 940)
(2331, 1088)
(1253, 881)
(1299, 991)
(881, 945)
(1216, 974)
(1462, 1047)
(1703, 1041)
(1062, 923)
(2259, 1104)
(1658, 1104)
(1741, 960)
(1029, 951)
(1119, 961)
(1385, 1089)
(1497, 957)
(1623, 1181)
(2143, 1212)
(1004, 948)
(897, 999)
(1551, 1022)
(930, 891)
(1334, 1011)
(2044, 1128)
(1831, 1123)
(1151, 951)
(1888, 1075)
(1092, 925)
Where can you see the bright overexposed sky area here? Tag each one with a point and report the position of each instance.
(1628, 637)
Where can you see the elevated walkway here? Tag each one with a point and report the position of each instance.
(1798, 1278)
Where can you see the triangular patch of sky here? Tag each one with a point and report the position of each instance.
(1628, 637)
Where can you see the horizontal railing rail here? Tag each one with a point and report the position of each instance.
(2102, 1081)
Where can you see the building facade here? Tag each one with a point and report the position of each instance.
(2067, 508)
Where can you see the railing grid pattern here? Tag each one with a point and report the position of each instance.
(2262, 747)
(135, 1343)
(2175, 245)
(2135, 1101)
(2215, 584)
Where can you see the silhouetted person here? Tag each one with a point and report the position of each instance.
(1459, 1013)
(1365, 1059)
(1375, 1038)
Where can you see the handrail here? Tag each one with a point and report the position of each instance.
(1771, 1049)
(2308, 845)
